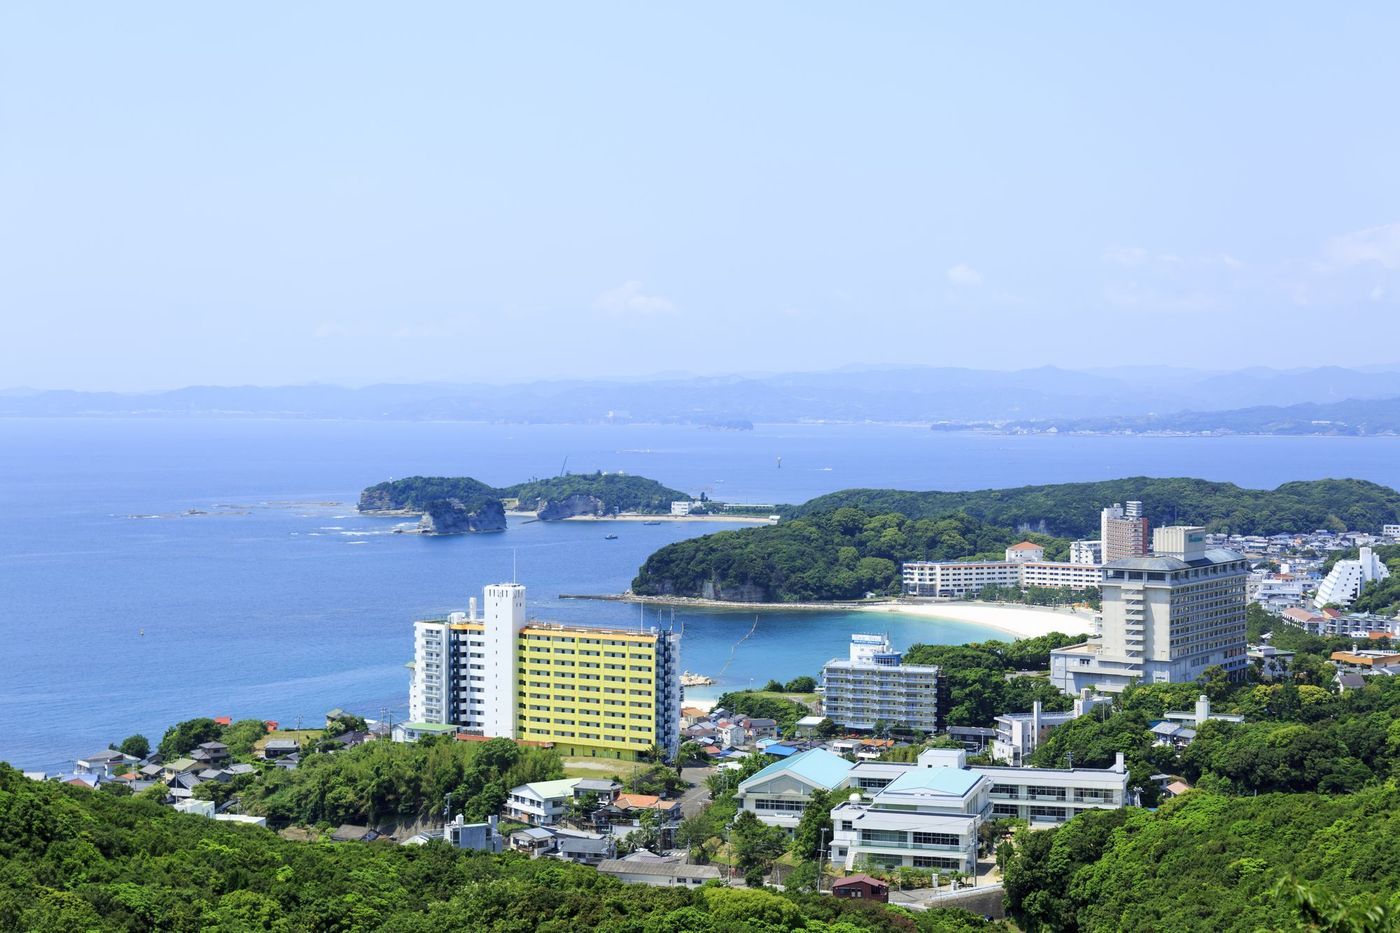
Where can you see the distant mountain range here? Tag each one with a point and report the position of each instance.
(1120, 398)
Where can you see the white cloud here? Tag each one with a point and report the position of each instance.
(630, 298)
(963, 274)
(1374, 244)
(1125, 255)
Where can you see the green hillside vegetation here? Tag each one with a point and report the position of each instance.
(415, 493)
(1211, 862)
(73, 859)
(978, 688)
(1071, 510)
(841, 554)
(384, 781)
(621, 493)
(618, 492)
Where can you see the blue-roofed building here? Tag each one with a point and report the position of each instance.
(782, 751)
(779, 793)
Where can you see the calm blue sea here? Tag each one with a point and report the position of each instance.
(281, 602)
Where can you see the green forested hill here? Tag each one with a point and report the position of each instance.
(617, 492)
(1208, 862)
(842, 554)
(75, 860)
(1071, 510)
(621, 493)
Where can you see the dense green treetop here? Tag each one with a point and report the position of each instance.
(72, 859)
(1071, 510)
(978, 687)
(1207, 862)
(383, 781)
(618, 492)
(842, 554)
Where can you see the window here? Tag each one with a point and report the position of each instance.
(936, 839)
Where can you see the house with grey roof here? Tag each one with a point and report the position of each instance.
(659, 873)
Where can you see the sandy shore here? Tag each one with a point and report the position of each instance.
(1020, 621)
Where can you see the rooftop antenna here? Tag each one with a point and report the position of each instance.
(513, 555)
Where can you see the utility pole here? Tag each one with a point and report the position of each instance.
(821, 856)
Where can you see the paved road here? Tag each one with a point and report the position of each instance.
(695, 799)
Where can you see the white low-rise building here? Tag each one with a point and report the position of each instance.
(1086, 552)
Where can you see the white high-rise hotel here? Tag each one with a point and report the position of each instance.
(1166, 618)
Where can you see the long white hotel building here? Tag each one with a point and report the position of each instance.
(1024, 567)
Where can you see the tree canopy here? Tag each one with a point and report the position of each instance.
(1071, 510)
(842, 554)
(77, 860)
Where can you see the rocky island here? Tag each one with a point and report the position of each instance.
(464, 505)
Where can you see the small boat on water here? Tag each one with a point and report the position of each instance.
(652, 522)
(695, 680)
(609, 537)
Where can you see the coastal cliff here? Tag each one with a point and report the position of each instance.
(577, 504)
(454, 517)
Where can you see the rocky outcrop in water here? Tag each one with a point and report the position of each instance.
(453, 517)
(578, 504)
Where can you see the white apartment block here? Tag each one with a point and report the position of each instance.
(873, 685)
(1165, 619)
(1349, 577)
(1086, 552)
(960, 579)
(1390, 531)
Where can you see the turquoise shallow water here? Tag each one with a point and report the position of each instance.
(282, 602)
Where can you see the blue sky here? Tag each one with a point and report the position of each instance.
(339, 192)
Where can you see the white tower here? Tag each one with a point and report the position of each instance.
(504, 618)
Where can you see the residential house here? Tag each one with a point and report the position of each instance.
(861, 887)
(542, 803)
(481, 837)
(104, 763)
(659, 873)
(583, 848)
(534, 841)
(761, 728)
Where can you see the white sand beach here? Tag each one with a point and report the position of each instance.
(1019, 621)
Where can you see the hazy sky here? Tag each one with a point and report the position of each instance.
(339, 192)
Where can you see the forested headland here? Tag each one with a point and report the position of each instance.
(1071, 510)
(842, 554)
(589, 493)
(848, 544)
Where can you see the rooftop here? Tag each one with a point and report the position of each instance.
(660, 869)
(817, 765)
(943, 780)
(547, 789)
